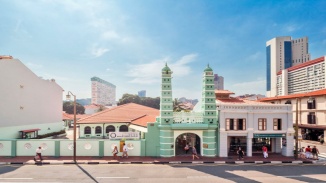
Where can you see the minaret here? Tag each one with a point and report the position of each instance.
(208, 97)
(166, 102)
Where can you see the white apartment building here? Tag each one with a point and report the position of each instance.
(306, 77)
(29, 104)
(103, 92)
(283, 53)
(251, 124)
(218, 82)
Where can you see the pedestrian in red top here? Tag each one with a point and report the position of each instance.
(264, 149)
(308, 152)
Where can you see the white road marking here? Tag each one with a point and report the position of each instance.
(16, 178)
(113, 177)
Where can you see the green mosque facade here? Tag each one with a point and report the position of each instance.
(173, 130)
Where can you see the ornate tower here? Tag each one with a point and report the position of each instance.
(208, 97)
(209, 114)
(166, 103)
(166, 115)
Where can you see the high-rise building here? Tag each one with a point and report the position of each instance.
(283, 53)
(103, 92)
(142, 93)
(218, 82)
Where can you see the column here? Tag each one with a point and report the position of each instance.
(249, 147)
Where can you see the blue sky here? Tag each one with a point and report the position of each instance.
(127, 42)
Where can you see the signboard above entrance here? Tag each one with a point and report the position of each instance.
(269, 135)
(124, 135)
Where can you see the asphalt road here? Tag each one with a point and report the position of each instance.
(163, 173)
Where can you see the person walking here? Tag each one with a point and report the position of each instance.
(315, 153)
(194, 153)
(240, 153)
(264, 148)
(308, 152)
(39, 154)
(125, 151)
(186, 148)
(115, 152)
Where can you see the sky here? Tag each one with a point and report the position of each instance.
(127, 42)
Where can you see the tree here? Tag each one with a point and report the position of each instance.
(146, 101)
(68, 107)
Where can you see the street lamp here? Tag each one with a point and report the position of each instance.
(68, 98)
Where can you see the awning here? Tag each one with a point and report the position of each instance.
(30, 130)
(312, 126)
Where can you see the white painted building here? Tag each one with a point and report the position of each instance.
(306, 77)
(91, 109)
(283, 53)
(103, 92)
(250, 125)
(27, 101)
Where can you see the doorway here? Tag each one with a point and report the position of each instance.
(186, 138)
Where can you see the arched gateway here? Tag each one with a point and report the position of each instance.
(190, 139)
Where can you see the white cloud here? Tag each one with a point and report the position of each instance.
(255, 56)
(98, 51)
(150, 73)
(291, 28)
(108, 35)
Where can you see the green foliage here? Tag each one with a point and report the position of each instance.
(68, 106)
(50, 134)
(146, 101)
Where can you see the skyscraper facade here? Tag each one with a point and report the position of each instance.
(218, 82)
(282, 53)
(103, 92)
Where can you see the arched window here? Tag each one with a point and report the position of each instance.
(109, 129)
(288, 102)
(87, 130)
(123, 128)
(98, 129)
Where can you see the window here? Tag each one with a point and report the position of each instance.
(288, 102)
(98, 129)
(311, 103)
(109, 129)
(87, 130)
(311, 118)
(123, 128)
(262, 124)
(235, 124)
(277, 124)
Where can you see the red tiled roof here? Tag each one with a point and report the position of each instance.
(311, 62)
(223, 92)
(30, 130)
(66, 116)
(238, 101)
(132, 113)
(298, 95)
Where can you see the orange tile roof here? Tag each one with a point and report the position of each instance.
(298, 95)
(311, 62)
(66, 116)
(131, 112)
(223, 92)
(239, 101)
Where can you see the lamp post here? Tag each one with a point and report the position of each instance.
(296, 129)
(68, 98)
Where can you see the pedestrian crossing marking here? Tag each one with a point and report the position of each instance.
(322, 156)
(261, 177)
(321, 177)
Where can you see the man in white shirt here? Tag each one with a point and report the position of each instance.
(125, 151)
(38, 153)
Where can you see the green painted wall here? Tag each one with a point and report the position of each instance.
(152, 142)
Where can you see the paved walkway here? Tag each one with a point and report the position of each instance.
(273, 158)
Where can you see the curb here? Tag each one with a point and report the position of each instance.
(161, 162)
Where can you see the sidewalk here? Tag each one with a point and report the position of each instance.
(273, 159)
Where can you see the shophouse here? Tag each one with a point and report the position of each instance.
(310, 109)
(250, 125)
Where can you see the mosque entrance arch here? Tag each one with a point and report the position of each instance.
(182, 140)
